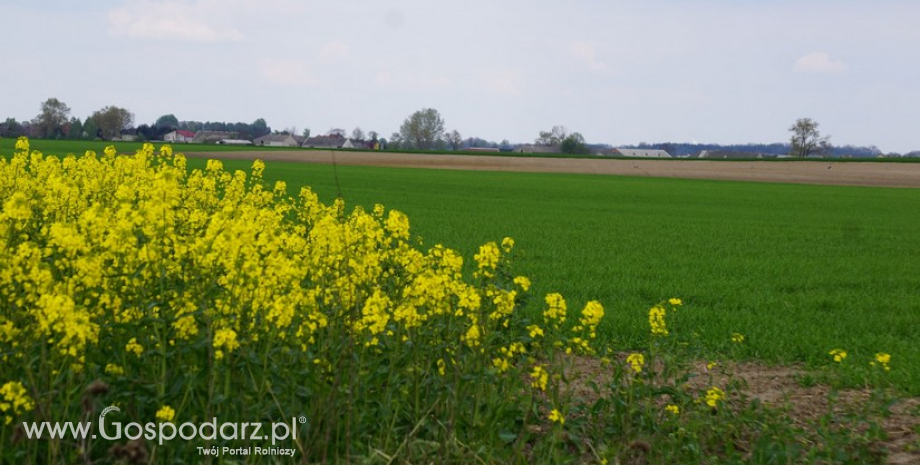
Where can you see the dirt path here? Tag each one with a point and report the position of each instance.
(890, 174)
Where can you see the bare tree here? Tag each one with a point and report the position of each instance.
(422, 129)
(357, 134)
(454, 140)
(337, 132)
(806, 139)
(552, 137)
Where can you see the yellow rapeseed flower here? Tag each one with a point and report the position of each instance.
(675, 301)
(636, 361)
(166, 414)
(714, 396)
(133, 346)
(838, 354)
(657, 322)
(883, 359)
(737, 338)
(555, 416)
(672, 409)
(539, 377)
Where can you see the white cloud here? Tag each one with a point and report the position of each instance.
(587, 54)
(172, 20)
(287, 72)
(819, 62)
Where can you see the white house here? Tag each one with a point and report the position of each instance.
(278, 140)
(180, 135)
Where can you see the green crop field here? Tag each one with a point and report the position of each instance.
(798, 270)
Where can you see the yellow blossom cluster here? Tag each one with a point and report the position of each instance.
(714, 396)
(135, 266)
(14, 400)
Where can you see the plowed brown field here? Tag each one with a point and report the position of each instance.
(886, 174)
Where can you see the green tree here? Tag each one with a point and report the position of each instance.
(111, 120)
(76, 129)
(423, 129)
(167, 121)
(574, 144)
(90, 128)
(260, 128)
(53, 115)
(806, 139)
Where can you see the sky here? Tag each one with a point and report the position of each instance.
(618, 72)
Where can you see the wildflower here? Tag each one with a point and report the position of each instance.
(114, 369)
(556, 311)
(672, 409)
(507, 244)
(675, 301)
(486, 260)
(737, 338)
(524, 282)
(656, 321)
(224, 339)
(556, 417)
(591, 316)
(535, 331)
(714, 396)
(133, 346)
(883, 359)
(14, 400)
(166, 414)
(442, 367)
(838, 355)
(636, 362)
(711, 365)
(540, 377)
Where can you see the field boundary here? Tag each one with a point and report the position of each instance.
(880, 174)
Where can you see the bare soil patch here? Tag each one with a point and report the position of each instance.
(781, 387)
(884, 174)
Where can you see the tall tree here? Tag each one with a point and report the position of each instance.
(306, 133)
(454, 140)
(11, 128)
(76, 129)
(53, 115)
(357, 134)
(111, 120)
(90, 128)
(260, 128)
(168, 121)
(422, 129)
(554, 136)
(574, 144)
(806, 139)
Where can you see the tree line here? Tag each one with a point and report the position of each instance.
(424, 129)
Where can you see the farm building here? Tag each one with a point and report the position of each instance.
(211, 137)
(641, 153)
(279, 140)
(532, 148)
(234, 142)
(325, 142)
(180, 135)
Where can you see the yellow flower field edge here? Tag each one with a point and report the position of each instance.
(183, 296)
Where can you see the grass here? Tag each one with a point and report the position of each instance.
(799, 270)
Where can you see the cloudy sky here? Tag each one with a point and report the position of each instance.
(619, 72)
